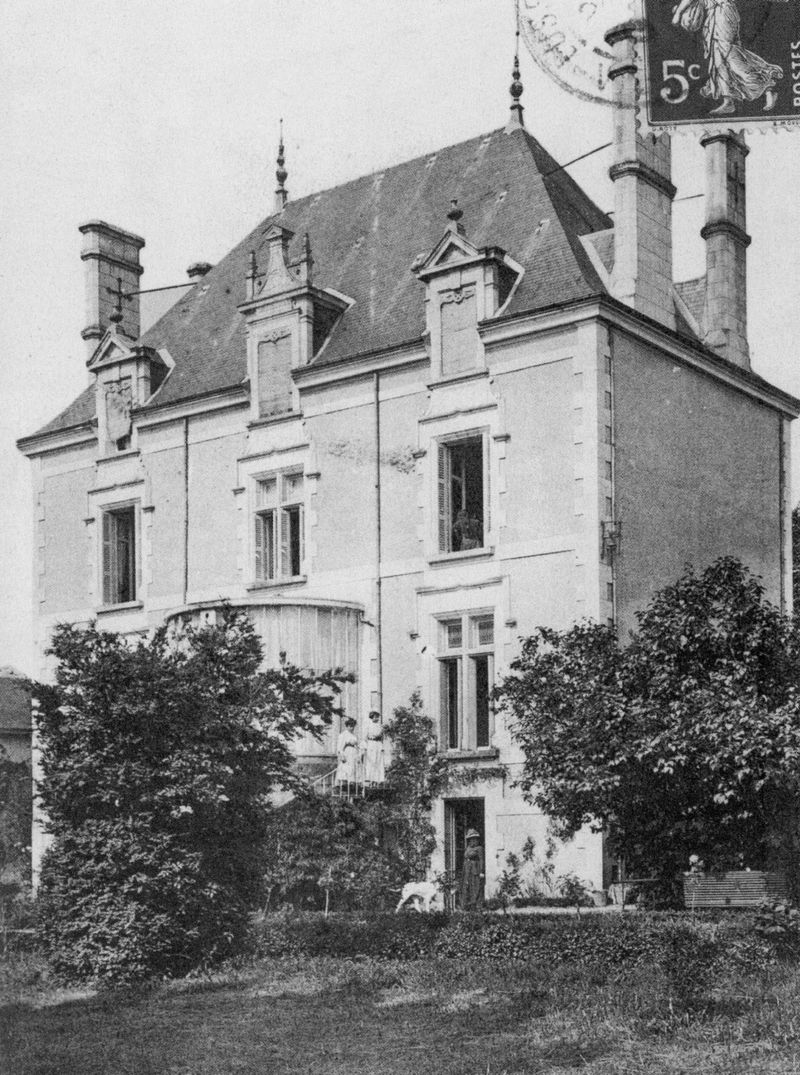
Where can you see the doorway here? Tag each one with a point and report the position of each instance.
(461, 815)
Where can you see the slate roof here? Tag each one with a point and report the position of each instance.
(365, 235)
(15, 704)
(693, 293)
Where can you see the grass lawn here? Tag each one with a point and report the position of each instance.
(331, 1017)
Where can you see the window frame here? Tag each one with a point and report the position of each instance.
(458, 670)
(444, 517)
(280, 549)
(111, 593)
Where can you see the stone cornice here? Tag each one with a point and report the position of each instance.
(645, 174)
(725, 227)
(622, 317)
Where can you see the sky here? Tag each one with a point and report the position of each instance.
(162, 118)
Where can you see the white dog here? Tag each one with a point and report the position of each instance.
(419, 894)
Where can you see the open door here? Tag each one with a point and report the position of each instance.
(461, 815)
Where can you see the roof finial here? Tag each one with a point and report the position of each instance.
(454, 215)
(515, 120)
(281, 193)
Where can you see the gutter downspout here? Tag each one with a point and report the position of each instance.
(185, 510)
(378, 546)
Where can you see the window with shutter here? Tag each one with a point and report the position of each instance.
(462, 494)
(278, 537)
(119, 555)
(466, 674)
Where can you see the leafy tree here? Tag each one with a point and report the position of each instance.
(158, 760)
(415, 776)
(358, 852)
(685, 740)
(327, 851)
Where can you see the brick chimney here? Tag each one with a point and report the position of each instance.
(643, 190)
(726, 238)
(111, 260)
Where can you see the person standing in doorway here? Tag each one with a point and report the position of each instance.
(471, 888)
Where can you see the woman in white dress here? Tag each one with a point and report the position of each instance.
(347, 754)
(734, 72)
(372, 748)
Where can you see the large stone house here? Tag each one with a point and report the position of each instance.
(410, 418)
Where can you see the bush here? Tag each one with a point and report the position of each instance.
(159, 757)
(378, 936)
(689, 950)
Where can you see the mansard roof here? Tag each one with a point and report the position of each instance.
(366, 235)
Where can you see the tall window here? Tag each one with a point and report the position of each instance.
(466, 669)
(119, 555)
(462, 494)
(279, 527)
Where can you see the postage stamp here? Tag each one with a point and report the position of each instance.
(729, 61)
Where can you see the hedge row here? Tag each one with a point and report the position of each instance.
(606, 941)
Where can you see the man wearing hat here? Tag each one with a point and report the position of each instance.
(470, 893)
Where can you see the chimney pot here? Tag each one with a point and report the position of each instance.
(199, 269)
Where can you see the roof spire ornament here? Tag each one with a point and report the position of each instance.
(515, 120)
(281, 193)
(454, 215)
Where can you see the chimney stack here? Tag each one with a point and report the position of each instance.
(643, 190)
(111, 259)
(726, 239)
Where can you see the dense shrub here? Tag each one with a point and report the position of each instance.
(159, 757)
(688, 949)
(379, 936)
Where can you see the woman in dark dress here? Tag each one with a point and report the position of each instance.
(471, 888)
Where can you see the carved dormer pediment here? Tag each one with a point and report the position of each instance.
(452, 249)
(113, 348)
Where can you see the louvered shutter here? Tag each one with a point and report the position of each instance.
(444, 528)
(286, 544)
(259, 548)
(108, 558)
(126, 555)
(487, 491)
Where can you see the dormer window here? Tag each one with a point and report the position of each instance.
(464, 285)
(125, 377)
(288, 320)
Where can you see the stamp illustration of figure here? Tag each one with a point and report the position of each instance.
(734, 72)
